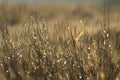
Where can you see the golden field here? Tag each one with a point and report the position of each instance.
(59, 42)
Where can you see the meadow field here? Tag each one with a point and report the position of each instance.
(59, 41)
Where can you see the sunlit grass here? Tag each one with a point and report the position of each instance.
(40, 48)
(33, 54)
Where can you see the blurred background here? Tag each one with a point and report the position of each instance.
(17, 12)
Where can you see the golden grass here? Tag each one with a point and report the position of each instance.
(68, 51)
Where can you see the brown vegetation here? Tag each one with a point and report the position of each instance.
(33, 53)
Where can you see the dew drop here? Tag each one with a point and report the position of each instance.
(107, 35)
(65, 62)
(7, 71)
(20, 56)
(9, 58)
(89, 48)
(80, 77)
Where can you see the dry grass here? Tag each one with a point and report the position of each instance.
(33, 54)
(66, 53)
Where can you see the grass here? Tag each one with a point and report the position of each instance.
(34, 53)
